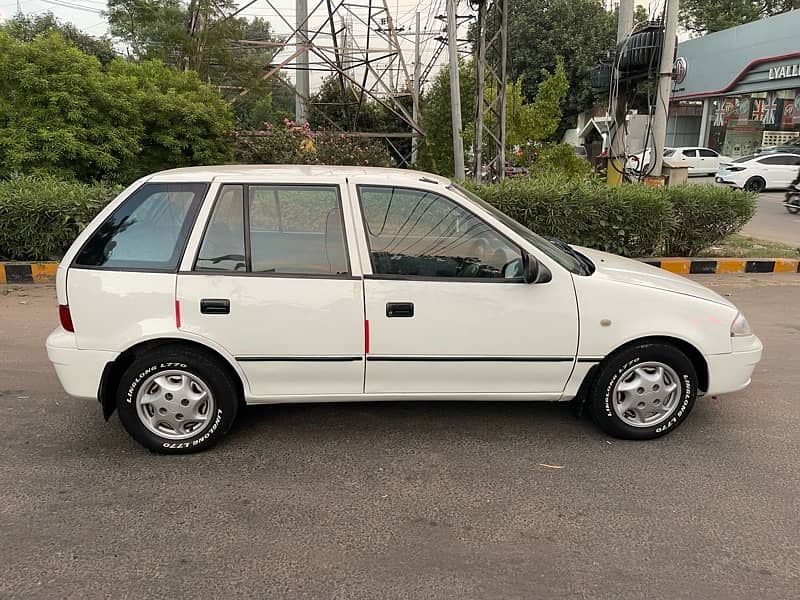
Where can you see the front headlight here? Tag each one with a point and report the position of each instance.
(740, 326)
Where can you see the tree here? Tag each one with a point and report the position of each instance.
(545, 116)
(200, 37)
(183, 121)
(579, 30)
(26, 28)
(708, 16)
(60, 114)
(436, 148)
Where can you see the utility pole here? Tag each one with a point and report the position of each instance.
(664, 86)
(416, 91)
(455, 90)
(301, 71)
(616, 154)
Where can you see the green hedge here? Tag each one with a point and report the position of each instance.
(631, 220)
(41, 216)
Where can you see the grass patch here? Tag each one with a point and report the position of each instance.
(743, 246)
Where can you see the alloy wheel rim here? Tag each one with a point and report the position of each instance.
(647, 394)
(175, 404)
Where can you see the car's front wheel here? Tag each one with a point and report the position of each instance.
(643, 391)
(175, 400)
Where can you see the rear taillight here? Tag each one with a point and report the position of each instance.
(65, 317)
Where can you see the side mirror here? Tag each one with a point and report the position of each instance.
(533, 271)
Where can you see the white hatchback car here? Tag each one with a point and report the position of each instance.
(198, 290)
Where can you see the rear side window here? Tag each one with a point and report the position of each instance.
(147, 231)
(781, 160)
(705, 153)
(280, 229)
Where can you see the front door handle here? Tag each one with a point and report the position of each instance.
(399, 309)
(215, 306)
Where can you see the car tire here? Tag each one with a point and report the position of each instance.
(793, 205)
(631, 397)
(755, 184)
(176, 400)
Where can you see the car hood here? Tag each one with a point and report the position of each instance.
(634, 272)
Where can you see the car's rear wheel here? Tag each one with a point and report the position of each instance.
(175, 400)
(755, 184)
(644, 391)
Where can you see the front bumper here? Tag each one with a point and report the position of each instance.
(79, 371)
(731, 372)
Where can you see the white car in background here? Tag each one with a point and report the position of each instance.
(701, 161)
(203, 289)
(759, 172)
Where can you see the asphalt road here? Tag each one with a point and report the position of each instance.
(404, 500)
(773, 222)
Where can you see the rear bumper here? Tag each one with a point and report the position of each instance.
(732, 372)
(79, 371)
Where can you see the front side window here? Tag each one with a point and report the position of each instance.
(147, 231)
(280, 229)
(419, 233)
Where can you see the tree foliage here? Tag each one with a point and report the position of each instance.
(545, 114)
(62, 114)
(198, 36)
(26, 28)
(580, 31)
(709, 16)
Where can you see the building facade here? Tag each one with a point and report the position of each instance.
(740, 88)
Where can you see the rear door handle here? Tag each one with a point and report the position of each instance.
(399, 309)
(215, 306)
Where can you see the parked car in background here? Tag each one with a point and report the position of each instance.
(759, 172)
(701, 161)
(792, 146)
(581, 151)
(202, 289)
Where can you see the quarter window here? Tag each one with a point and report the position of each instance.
(276, 229)
(147, 231)
(421, 233)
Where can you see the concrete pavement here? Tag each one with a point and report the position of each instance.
(404, 500)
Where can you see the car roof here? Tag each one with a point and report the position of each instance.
(254, 172)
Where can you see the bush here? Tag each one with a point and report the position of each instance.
(41, 216)
(704, 215)
(629, 220)
(559, 159)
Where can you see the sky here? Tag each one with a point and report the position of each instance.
(87, 15)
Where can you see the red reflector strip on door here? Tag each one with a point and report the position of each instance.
(366, 336)
(178, 314)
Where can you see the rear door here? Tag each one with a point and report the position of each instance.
(779, 169)
(271, 280)
(446, 315)
(690, 156)
(709, 160)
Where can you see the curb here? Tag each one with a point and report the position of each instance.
(45, 272)
(712, 266)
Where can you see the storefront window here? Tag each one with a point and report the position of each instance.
(742, 124)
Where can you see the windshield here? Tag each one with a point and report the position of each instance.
(566, 260)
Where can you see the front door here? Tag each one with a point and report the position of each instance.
(447, 312)
(271, 283)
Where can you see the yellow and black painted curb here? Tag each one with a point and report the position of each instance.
(711, 266)
(45, 272)
(28, 272)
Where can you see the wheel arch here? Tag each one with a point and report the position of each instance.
(113, 371)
